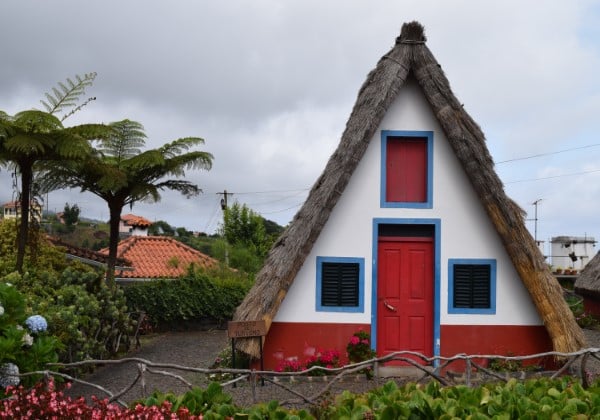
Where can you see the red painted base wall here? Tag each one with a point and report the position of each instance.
(292, 339)
(286, 340)
(502, 340)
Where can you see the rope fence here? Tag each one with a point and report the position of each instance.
(436, 368)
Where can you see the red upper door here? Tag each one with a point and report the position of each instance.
(405, 295)
(406, 169)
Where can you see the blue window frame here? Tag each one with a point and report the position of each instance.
(391, 135)
(472, 286)
(340, 284)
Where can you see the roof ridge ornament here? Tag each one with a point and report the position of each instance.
(412, 33)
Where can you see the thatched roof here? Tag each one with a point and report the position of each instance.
(411, 56)
(588, 282)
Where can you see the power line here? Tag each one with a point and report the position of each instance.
(279, 211)
(286, 197)
(267, 192)
(552, 177)
(548, 153)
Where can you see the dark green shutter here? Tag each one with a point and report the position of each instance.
(339, 284)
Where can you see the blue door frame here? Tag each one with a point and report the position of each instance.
(436, 223)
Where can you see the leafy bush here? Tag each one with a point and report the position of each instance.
(583, 319)
(25, 346)
(197, 296)
(86, 315)
(540, 398)
(239, 256)
(41, 255)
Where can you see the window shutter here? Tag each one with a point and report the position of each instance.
(339, 284)
(406, 169)
(472, 286)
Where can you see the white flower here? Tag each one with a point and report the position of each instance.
(36, 323)
(27, 339)
(1, 310)
(9, 375)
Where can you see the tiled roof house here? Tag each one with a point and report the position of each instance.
(154, 257)
(12, 210)
(131, 224)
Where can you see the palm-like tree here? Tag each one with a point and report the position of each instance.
(120, 173)
(31, 137)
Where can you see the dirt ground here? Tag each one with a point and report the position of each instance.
(199, 349)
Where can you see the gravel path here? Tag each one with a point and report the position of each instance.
(190, 348)
(200, 348)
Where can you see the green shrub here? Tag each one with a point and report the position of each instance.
(197, 296)
(25, 345)
(85, 314)
(40, 254)
(583, 319)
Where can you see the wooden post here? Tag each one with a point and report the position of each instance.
(247, 329)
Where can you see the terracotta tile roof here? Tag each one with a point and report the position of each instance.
(85, 253)
(159, 256)
(133, 220)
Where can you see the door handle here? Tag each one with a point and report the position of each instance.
(390, 307)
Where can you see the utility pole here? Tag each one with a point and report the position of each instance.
(224, 199)
(535, 219)
(224, 207)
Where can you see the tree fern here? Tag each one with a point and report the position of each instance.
(67, 95)
(120, 173)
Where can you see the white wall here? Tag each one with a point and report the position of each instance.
(561, 246)
(466, 231)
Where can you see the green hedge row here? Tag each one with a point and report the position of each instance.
(197, 297)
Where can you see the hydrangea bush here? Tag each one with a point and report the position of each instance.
(86, 315)
(24, 344)
(36, 323)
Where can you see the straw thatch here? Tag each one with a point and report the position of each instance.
(410, 55)
(588, 282)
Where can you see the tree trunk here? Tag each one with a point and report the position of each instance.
(113, 241)
(26, 178)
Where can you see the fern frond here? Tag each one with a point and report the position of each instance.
(67, 96)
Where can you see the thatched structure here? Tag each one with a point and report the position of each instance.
(410, 56)
(588, 282)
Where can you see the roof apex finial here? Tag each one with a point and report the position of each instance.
(411, 33)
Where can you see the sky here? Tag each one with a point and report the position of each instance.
(270, 85)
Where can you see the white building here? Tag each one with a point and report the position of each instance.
(571, 251)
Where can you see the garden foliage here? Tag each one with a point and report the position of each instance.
(195, 297)
(83, 313)
(533, 399)
(42, 256)
(25, 346)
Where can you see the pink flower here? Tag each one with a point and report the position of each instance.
(354, 340)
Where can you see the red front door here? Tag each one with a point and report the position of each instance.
(405, 295)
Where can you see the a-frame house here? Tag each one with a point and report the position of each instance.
(409, 235)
